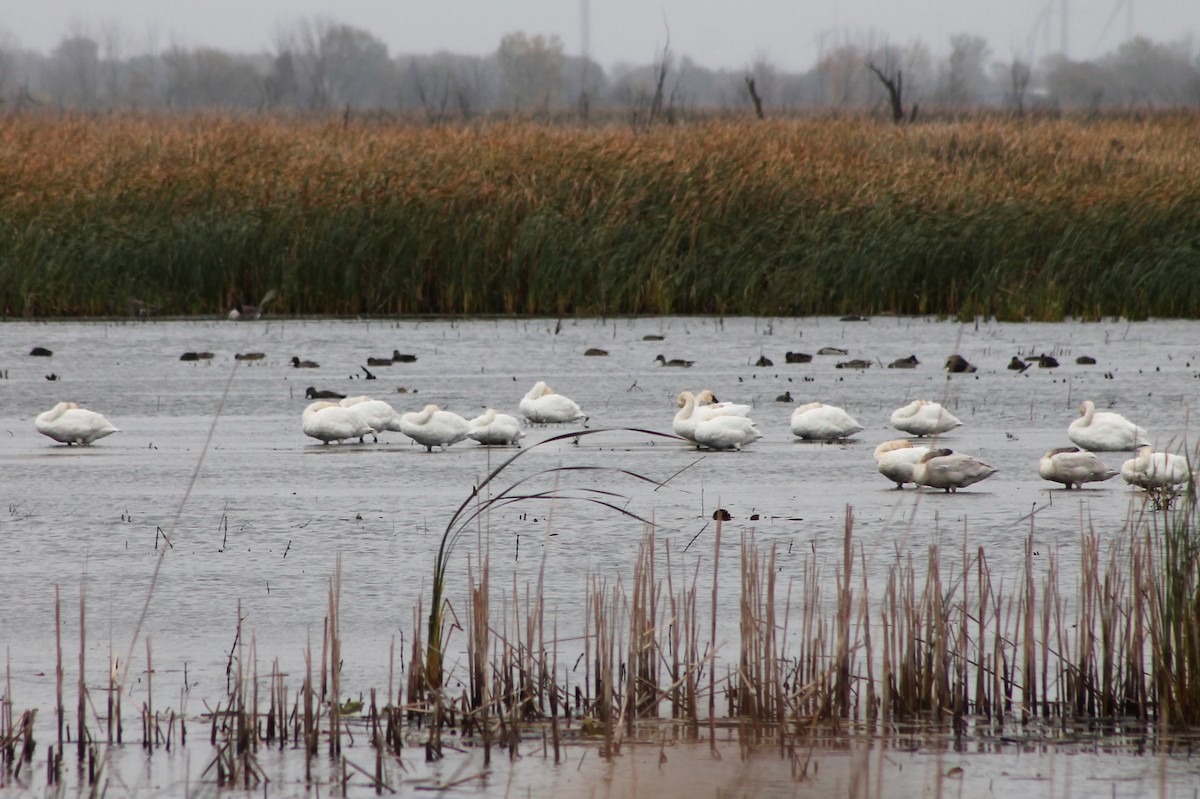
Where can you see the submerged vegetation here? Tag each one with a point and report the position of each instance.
(1013, 218)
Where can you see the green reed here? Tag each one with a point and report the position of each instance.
(1011, 218)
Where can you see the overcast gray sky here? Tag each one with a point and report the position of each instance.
(715, 33)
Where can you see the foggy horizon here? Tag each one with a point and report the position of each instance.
(624, 32)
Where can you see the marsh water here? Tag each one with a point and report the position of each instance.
(211, 502)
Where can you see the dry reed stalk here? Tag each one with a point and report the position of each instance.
(148, 709)
(479, 646)
(59, 710)
(712, 688)
(641, 690)
(864, 615)
(983, 705)
(81, 719)
(1029, 685)
(841, 699)
(335, 660)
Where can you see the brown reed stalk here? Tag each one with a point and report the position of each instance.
(335, 660)
(983, 705)
(845, 604)
(148, 709)
(712, 687)
(1029, 684)
(59, 710)
(81, 719)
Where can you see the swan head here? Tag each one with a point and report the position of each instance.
(706, 397)
(319, 405)
(935, 453)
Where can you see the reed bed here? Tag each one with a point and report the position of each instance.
(941, 645)
(1030, 218)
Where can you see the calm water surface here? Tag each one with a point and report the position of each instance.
(212, 455)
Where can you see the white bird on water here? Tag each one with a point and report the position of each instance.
(949, 470)
(496, 429)
(378, 414)
(924, 418)
(327, 421)
(543, 406)
(432, 427)
(1102, 431)
(726, 432)
(69, 424)
(895, 460)
(1073, 467)
(1150, 470)
(820, 422)
(699, 407)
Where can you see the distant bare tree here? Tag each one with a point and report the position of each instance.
(1145, 73)
(209, 78)
(433, 89)
(8, 66)
(336, 65)
(963, 76)
(532, 69)
(893, 82)
(75, 68)
(1019, 76)
(112, 50)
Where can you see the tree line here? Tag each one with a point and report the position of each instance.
(321, 65)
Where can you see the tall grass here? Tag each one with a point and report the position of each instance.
(1012, 218)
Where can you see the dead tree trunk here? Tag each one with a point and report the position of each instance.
(754, 96)
(895, 90)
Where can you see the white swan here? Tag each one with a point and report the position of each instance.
(1073, 467)
(1102, 431)
(327, 421)
(69, 424)
(1149, 469)
(432, 427)
(950, 470)
(924, 418)
(726, 432)
(542, 406)
(706, 401)
(691, 412)
(822, 422)
(377, 413)
(496, 429)
(895, 460)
